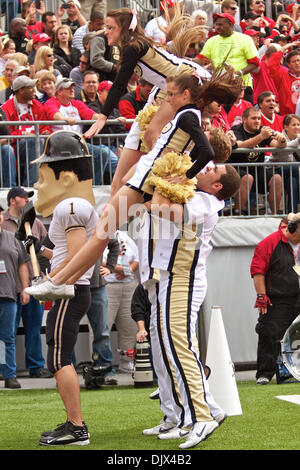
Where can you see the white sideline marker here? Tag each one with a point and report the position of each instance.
(291, 398)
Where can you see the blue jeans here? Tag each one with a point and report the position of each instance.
(8, 170)
(104, 160)
(27, 152)
(8, 309)
(98, 318)
(32, 316)
(291, 186)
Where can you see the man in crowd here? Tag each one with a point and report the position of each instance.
(231, 7)
(94, 95)
(104, 58)
(155, 27)
(17, 30)
(250, 134)
(49, 22)
(32, 312)
(74, 19)
(7, 77)
(76, 73)
(234, 48)
(267, 105)
(13, 266)
(276, 283)
(41, 39)
(285, 79)
(96, 23)
(258, 7)
(132, 102)
(23, 107)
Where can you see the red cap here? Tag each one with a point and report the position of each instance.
(42, 37)
(289, 8)
(251, 32)
(105, 85)
(166, 3)
(224, 15)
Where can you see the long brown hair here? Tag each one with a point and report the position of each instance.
(224, 87)
(137, 38)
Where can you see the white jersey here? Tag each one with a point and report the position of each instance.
(176, 247)
(189, 244)
(172, 138)
(71, 214)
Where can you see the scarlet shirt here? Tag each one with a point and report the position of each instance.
(234, 116)
(287, 84)
(276, 123)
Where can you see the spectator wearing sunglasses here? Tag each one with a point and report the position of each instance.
(231, 7)
(258, 7)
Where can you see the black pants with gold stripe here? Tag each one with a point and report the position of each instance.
(62, 327)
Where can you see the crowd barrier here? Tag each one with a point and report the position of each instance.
(106, 148)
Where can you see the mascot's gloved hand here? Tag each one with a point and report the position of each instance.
(31, 240)
(262, 302)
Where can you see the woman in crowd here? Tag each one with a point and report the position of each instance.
(63, 46)
(44, 60)
(290, 173)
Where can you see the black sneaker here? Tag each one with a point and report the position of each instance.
(60, 427)
(66, 434)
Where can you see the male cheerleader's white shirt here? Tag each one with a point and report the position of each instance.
(71, 214)
(173, 252)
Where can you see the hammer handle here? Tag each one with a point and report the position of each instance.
(34, 261)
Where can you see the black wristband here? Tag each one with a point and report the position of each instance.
(260, 296)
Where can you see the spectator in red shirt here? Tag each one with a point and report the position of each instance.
(286, 80)
(258, 7)
(134, 101)
(235, 114)
(267, 104)
(262, 80)
(23, 107)
(219, 116)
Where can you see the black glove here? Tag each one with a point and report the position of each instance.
(31, 240)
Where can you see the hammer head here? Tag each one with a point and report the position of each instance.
(28, 215)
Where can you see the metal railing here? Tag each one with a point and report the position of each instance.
(105, 149)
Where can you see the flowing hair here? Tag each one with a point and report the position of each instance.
(224, 86)
(181, 32)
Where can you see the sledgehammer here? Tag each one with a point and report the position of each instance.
(24, 230)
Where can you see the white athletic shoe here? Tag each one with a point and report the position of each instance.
(49, 291)
(221, 418)
(160, 428)
(199, 432)
(154, 395)
(174, 433)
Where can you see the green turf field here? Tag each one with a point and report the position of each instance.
(117, 415)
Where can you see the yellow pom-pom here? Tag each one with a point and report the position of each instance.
(143, 119)
(172, 164)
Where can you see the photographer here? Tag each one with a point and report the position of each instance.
(74, 17)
